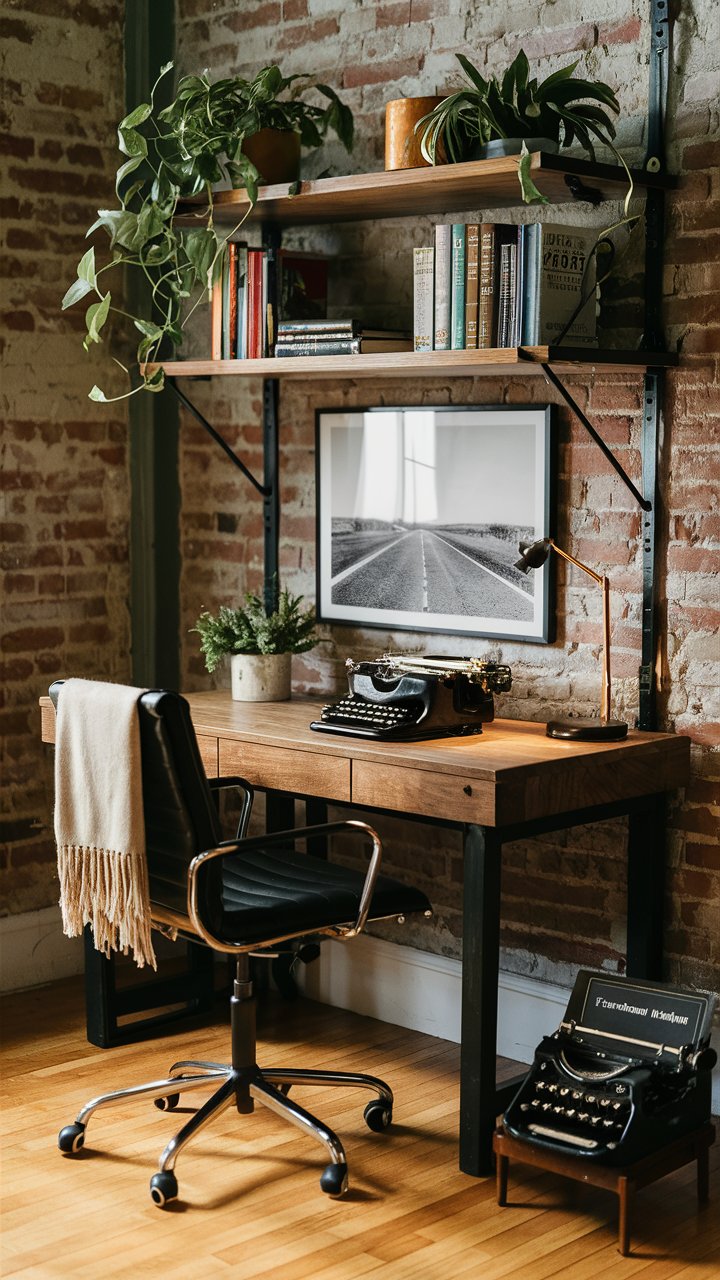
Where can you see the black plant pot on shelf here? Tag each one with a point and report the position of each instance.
(510, 147)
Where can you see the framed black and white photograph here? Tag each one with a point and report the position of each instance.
(420, 513)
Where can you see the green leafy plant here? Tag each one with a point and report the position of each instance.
(561, 108)
(174, 153)
(251, 629)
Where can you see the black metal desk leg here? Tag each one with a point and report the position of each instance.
(481, 945)
(646, 888)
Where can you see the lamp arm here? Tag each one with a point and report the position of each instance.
(578, 563)
(604, 582)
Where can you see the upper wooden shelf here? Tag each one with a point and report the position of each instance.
(479, 184)
(525, 360)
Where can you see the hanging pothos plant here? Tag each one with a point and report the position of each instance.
(172, 154)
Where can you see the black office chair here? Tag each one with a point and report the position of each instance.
(241, 897)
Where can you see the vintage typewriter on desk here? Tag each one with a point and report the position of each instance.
(627, 1071)
(405, 697)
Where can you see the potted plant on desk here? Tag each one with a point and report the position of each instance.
(231, 131)
(260, 645)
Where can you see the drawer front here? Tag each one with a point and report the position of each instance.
(281, 769)
(208, 754)
(433, 795)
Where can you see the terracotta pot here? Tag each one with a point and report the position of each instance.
(276, 155)
(402, 144)
(260, 677)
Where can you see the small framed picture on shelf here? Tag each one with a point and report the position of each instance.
(420, 513)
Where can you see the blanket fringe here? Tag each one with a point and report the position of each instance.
(110, 892)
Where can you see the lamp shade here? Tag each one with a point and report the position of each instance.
(533, 554)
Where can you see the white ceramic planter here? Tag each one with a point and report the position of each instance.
(260, 677)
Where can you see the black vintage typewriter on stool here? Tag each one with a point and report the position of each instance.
(405, 697)
(627, 1071)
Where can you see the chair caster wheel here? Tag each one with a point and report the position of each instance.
(168, 1103)
(71, 1138)
(334, 1180)
(163, 1188)
(377, 1115)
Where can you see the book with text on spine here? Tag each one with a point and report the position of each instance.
(443, 280)
(560, 274)
(423, 308)
(343, 347)
(457, 287)
(487, 296)
(472, 283)
(291, 333)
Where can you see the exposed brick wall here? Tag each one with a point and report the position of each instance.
(564, 893)
(64, 459)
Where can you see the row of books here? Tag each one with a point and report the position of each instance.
(485, 285)
(274, 303)
(259, 288)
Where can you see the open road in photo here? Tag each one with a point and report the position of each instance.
(426, 571)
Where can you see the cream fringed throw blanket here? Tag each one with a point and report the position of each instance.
(99, 822)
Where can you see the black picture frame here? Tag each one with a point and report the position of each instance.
(401, 539)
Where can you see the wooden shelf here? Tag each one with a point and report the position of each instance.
(525, 360)
(479, 184)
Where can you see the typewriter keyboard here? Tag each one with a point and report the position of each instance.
(576, 1113)
(375, 719)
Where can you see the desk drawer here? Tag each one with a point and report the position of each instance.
(281, 769)
(432, 795)
(208, 754)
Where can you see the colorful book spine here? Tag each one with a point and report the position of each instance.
(255, 325)
(423, 295)
(472, 286)
(457, 287)
(443, 285)
(216, 321)
(486, 299)
(242, 295)
(232, 251)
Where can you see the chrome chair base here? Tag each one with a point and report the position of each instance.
(242, 1087)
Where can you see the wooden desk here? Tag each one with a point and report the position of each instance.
(508, 783)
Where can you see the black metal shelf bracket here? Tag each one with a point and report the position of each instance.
(262, 489)
(607, 453)
(268, 489)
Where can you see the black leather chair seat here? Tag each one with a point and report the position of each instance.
(267, 893)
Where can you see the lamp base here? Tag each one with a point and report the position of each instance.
(590, 730)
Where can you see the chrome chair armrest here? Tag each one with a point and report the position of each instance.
(240, 784)
(230, 848)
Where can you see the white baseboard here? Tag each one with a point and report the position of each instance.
(421, 991)
(34, 950)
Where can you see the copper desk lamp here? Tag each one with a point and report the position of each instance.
(604, 729)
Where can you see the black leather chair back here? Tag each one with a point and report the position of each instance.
(180, 815)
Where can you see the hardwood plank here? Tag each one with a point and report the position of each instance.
(251, 1204)
(476, 184)
(527, 361)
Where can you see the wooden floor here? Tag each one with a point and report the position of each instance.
(250, 1201)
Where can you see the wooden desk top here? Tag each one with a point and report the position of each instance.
(510, 773)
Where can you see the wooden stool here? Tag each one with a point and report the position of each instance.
(624, 1180)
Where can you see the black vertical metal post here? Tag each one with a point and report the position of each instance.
(653, 339)
(271, 501)
(651, 423)
(482, 848)
(646, 888)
